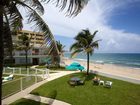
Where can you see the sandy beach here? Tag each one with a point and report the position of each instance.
(110, 69)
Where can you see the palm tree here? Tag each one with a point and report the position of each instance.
(54, 57)
(11, 16)
(61, 51)
(24, 44)
(84, 43)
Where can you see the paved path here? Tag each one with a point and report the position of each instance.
(33, 66)
(45, 100)
(25, 92)
(120, 77)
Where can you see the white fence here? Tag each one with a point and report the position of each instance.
(14, 86)
(31, 76)
(44, 73)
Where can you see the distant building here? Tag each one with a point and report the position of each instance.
(37, 54)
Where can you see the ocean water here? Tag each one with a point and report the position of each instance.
(122, 59)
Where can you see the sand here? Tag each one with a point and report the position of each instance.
(111, 69)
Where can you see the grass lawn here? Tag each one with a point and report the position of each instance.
(26, 102)
(121, 93)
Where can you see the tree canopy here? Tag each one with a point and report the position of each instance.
(84, 42)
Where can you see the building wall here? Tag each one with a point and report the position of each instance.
(37, 38)
(36, 52)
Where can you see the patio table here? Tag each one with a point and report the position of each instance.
(75, 79)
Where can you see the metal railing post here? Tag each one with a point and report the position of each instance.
(20, 70)
(36, 71)
(21, 84)
(35, 78)
(13, 70)
(35, 75)
(4, 70)
(27, 71)
(47, 72)
(43, 75)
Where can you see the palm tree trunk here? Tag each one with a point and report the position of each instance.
(8, 36)
(87, 63)
(58, 61)
(1, 47)
(26, 53)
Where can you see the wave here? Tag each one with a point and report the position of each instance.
(111, 62)
(78, 59)
(133, 63)
(129, 60)
(99, 61)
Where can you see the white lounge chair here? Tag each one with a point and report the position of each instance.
(108, 84)
(7, 78)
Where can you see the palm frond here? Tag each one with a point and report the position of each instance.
(73, 54)
(79, 35)
(60, 46)
(50, 50)
(75, 46)
(86, 31)
(36, 4)
(91, 52)
(73, 7)
(40, 25)
(89, 49)
(95, 44)
(14, 16)
(94, 33)
(85, 42)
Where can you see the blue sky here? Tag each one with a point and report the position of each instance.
(127, 18)
(118, 23)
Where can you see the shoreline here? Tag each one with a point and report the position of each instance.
(101, 62)
(110, 69)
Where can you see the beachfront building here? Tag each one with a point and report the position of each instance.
(37, 53)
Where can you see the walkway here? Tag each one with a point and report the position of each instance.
(25, 92)
(45, 100)
(119, 77)
(33, 66)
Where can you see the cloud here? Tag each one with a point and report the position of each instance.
(119, 41)
(94, 16)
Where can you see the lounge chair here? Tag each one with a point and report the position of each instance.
(10, 77)
(108, 84)
(95, 82)
(82, 82)
(101, 82)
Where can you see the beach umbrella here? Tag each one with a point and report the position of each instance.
(75, 66)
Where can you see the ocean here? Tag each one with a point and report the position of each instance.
(122, 59)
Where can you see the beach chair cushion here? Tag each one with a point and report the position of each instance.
(108, 84)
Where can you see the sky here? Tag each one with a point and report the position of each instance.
(117, 22)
